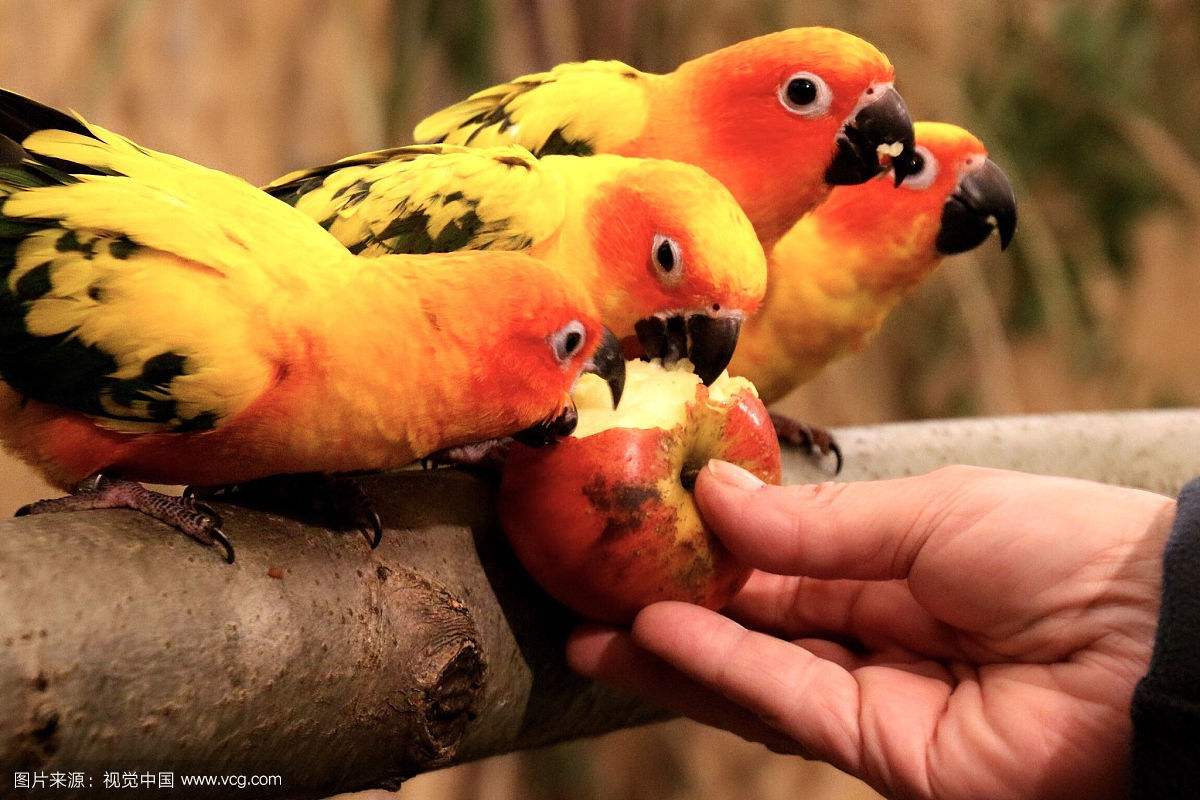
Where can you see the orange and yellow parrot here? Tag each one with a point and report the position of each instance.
(840, 271)
(778, 119)
(662, 246)
(163, 322)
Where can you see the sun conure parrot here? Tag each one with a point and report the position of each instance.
(838, 272)
(779, 119)
(163, 322)
(662, 246)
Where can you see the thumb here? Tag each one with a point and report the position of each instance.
(870, 530)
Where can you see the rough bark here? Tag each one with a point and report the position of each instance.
(124, 646)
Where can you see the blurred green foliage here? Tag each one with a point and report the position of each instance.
(1056, 103)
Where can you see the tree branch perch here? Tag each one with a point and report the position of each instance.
(125, 647)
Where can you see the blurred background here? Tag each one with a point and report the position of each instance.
(1092, 107)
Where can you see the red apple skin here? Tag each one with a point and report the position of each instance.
(605, 524)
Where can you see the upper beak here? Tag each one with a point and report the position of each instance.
(609, 363)
(707, 341)
(882, 124)
(982, 202)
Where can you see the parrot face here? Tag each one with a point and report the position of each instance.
(682, 264)
(546, 347)
(568, 348)
(838, 273)
(787, 115)
(950, 203)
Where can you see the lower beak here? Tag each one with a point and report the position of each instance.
(549, 431)
(707, 341)
(882, 124)
(982, 202)
(609, 363)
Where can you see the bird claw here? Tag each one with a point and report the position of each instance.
(215, 525)
(375, 528)
(187, 515)
(817, 442)
(337, 501)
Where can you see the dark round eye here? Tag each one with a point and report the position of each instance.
(667, 257)
(805, 94)
(567, 340)
(801, 91)
(924, 170)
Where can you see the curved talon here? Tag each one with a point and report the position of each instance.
(220, 538)
(821, 444)
(92, 484)
(837, 454)
(216, 522)
(376, 527)
(817, 442)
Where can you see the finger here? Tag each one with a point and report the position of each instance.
(870, 530)
(812, 700)
(610, 656)
(877, 614)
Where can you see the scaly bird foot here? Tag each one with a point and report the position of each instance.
(817, 442)
(336, 501)
(195, 519)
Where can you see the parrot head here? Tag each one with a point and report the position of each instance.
(546, 332)
(950, 202)
(783, 117)
(677, 264)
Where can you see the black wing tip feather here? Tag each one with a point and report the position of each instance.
(20, 117)
(310, 179)
(11, 152)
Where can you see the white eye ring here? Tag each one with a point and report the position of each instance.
(667, 257)
(805, 95)
(568, 341)
(926, 175)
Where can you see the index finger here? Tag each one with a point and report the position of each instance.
(871, 530)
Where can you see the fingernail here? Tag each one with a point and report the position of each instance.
(733, 475)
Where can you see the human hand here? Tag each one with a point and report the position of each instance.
(963, 634)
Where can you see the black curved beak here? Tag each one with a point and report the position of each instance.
(707, 341)
(549, 431)
(713, 340)
(609, 363)
(982, 202)
(883, 124)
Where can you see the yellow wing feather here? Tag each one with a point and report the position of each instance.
(431, 198)
(574, 109)
(150, 303)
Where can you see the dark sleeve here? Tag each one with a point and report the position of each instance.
(1166, 703)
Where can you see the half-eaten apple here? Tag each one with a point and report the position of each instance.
(605, 519)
